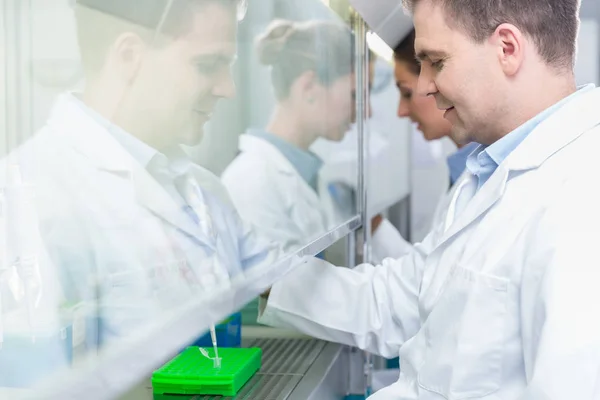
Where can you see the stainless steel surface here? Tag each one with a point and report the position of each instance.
(361, 104)
(292, 369)
(288, 356)
(327, 378)
(356, 371)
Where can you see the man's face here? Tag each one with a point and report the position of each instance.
(462, 76)
(178, 85)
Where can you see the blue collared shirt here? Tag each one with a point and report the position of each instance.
(484, 161)
(307, 164)
(457, 161)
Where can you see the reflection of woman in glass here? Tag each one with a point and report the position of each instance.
(274, 181)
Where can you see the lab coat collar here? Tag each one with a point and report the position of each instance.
(561, 128)
(255, 145)
(88, 137)
(565, 125)
(92, 140)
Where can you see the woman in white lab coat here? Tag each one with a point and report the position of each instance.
(274, 182)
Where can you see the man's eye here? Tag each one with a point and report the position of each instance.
(437, 64)
(207, 69)
(406, 95)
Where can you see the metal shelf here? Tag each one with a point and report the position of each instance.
(292, 369)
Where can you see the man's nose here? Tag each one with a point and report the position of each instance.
(425, 84)
(225, 87)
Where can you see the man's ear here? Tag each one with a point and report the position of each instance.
(305, 87)
(128, 51)
(510, 44)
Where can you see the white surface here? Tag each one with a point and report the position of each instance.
(587, 69)
(386, 18)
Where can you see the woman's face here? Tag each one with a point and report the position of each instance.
(341, 100)
(333, 108)
(421, 110)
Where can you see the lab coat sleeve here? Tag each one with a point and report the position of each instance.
(371, 307)
(387, 242)
(560, 296)
(257, 250)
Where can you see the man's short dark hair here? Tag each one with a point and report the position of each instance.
(152, 14)
(552, 24)
(99, 22)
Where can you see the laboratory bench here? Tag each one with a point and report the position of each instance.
(293, 367)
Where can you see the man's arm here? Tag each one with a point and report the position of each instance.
(371, 307)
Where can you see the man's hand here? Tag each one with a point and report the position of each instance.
(375, 222)
(265, 294)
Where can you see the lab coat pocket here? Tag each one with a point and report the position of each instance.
(465, 334)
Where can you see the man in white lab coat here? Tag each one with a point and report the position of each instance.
(502, 304)
(133, 228)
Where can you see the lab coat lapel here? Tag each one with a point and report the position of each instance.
(152, 196)
(483, 200)
(91, 140)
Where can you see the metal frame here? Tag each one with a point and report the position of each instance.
(591, 9)
(4, 20)
(362, 106)
(17, 72)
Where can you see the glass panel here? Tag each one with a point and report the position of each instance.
(388, 136)
(296, 91)
(119, 242)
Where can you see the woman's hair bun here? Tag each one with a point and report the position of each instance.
(271, 44)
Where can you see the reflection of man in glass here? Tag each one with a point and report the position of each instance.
(128, 220)
(157, 71)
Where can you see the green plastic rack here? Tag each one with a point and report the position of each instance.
(192, 373)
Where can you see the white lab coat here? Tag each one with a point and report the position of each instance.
(503, 304)
(269, 193)
(117, 239)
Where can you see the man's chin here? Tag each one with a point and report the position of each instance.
(460, 135)
(192, 138)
